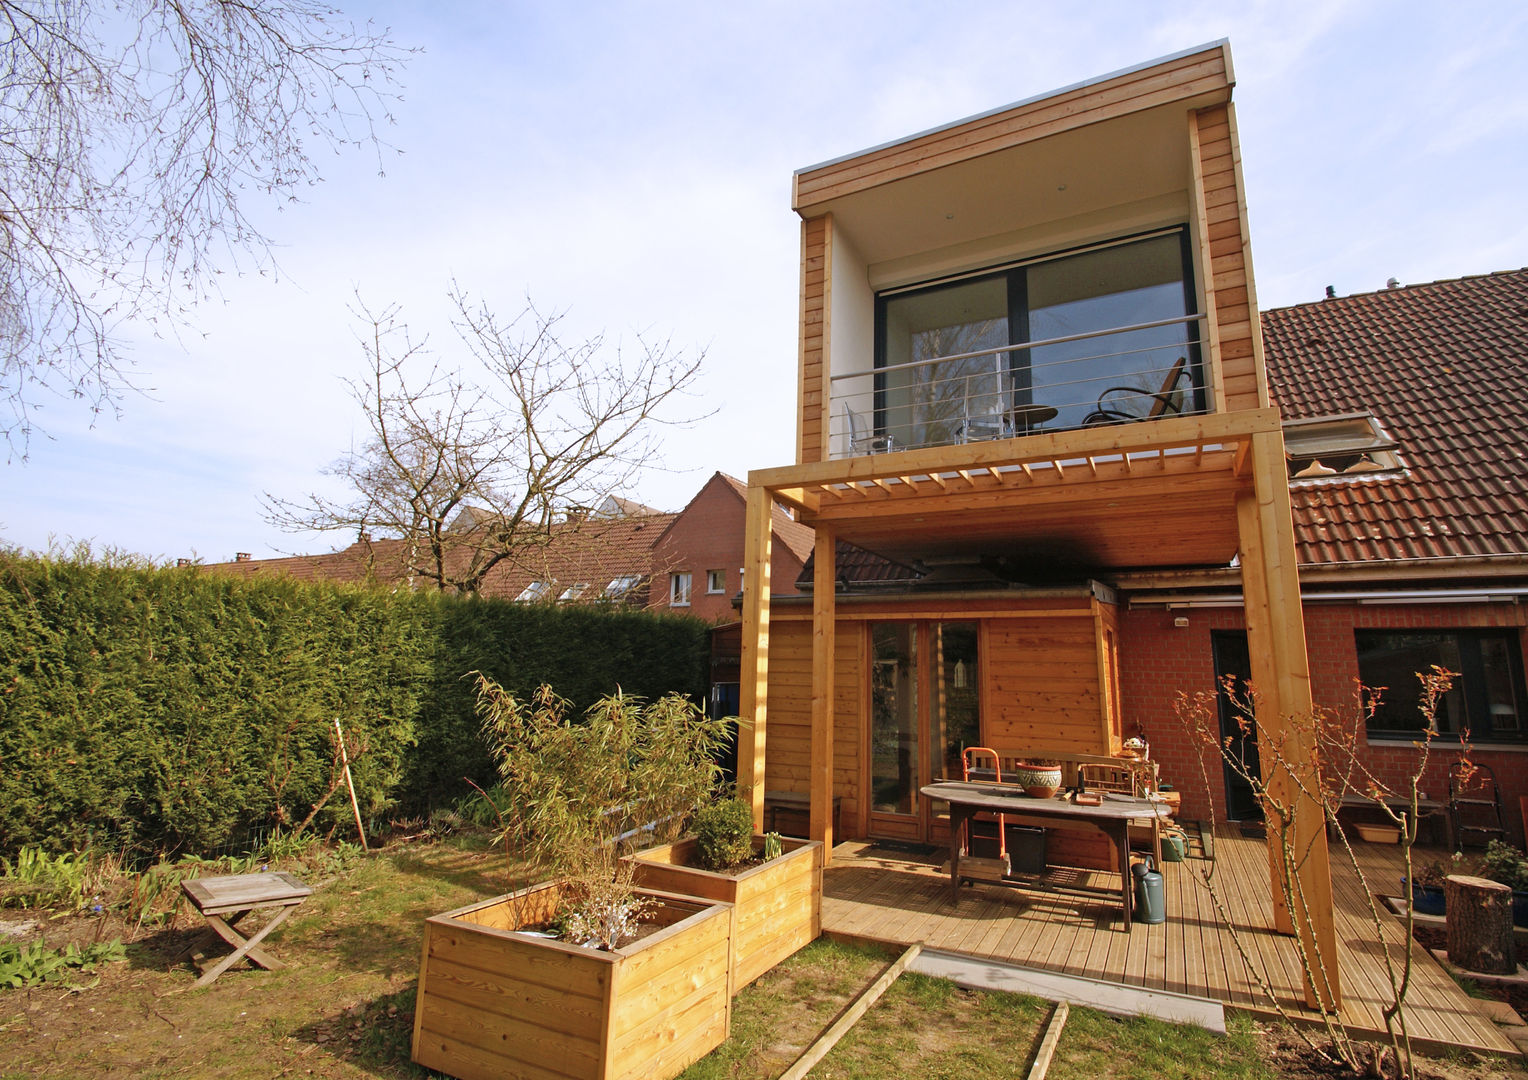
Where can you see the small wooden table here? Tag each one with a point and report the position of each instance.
(1112, 817)
(1026, 419)
(223, 901)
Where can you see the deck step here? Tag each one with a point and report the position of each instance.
(976, 973)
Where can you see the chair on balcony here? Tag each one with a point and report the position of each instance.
(1113, 409)
(864, 441)
(982, 426)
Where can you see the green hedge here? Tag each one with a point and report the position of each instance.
(174, 709)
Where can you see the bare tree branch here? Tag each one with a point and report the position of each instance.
(131, 135)
(469, 470)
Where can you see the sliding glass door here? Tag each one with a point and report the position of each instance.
(925, 693)
(945, 376)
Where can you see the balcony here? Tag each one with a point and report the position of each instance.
(1124, 374)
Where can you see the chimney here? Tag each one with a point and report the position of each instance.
(1393, 283)
(1331, 292)
(241, 556)
(182, 562)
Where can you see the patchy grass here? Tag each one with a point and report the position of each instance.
(344, 1006)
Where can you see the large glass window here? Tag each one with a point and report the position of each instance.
(1486, 701)
(931, 390)
(894, 766)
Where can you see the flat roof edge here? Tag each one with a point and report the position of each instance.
(1220, 43)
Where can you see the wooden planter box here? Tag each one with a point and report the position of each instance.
(493, 1003)
(776, 906)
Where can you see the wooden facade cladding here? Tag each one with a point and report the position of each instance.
(1233, 336)
(1196, 75)
(816, 303)
(1041, 684)
(789, 752)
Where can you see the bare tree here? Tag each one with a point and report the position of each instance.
(131, 135)
(468, 465)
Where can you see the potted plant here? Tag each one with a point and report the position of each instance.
(584, 974)
(1506, 864)
(773, 884)
(1039, 777)
(1427, 896)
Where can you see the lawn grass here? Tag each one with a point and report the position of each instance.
(344, 1006)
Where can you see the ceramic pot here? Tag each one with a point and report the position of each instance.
(1038, 781)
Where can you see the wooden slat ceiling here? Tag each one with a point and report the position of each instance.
(1172, 505)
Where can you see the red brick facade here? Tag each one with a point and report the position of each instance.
(709, 535)
(1159, 659)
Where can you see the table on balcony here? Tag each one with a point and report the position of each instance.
(1027, 418)
(1112, 817)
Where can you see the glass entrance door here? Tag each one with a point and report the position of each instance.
(925, 697)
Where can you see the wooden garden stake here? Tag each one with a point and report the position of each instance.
(1047, 1050)
(354, 803)
(850, 1016)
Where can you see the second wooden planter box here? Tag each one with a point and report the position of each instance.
(776, 906)
(494, 1003)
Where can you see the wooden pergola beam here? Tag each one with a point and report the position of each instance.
(824, 616)
(754, 667)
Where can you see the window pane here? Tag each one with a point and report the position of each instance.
(1392, 661)
(923, 406)
(1501, 688)
(955, 712)
(1097, 290)
(894, 719)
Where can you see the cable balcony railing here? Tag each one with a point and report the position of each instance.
(1009, 391)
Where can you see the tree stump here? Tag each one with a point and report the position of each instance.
(1479, 924)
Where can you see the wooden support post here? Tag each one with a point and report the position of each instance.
(1281, 675)
(754, 670)
(824, 612)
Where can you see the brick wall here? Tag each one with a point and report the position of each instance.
(1158, 660)
(709, 535)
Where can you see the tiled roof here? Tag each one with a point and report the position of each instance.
(1444, 367)
(593, 552)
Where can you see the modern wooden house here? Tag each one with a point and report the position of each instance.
(1030, 361)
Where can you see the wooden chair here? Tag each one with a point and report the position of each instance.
(1113, 411)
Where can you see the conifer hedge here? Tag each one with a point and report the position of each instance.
(172, 709)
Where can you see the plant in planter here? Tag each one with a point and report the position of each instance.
(497, 997)
(773, 883)
(1506, 864)
(1427, 897)
(724, 834)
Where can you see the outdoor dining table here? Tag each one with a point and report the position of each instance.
(1112, 817)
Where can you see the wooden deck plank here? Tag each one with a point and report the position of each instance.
(903, 902)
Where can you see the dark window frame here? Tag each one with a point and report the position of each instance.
(1470, 685)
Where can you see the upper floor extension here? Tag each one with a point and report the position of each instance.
(1073, 261)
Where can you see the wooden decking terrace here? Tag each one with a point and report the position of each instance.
(873, 893)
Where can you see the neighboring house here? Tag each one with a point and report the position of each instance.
(1411, 536)
(600, 555)
(700, 553)
(1030, 364)
(619, 552)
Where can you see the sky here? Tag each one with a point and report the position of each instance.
(629, 165)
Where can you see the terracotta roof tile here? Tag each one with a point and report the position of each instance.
(1444, 367)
